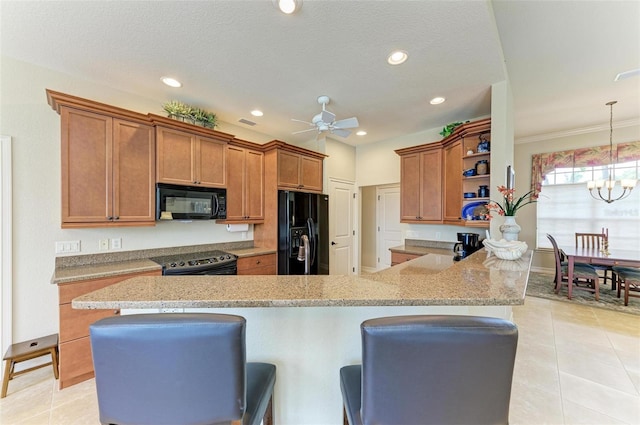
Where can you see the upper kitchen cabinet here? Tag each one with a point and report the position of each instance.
(245, 183)
(108, 167)
(421, 184)
(189, 155)
(299, 169)
(432, 184)
(467, 151)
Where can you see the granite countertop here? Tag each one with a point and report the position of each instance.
(428, 280)
(423, 247)
(95, 266)
(251, 252)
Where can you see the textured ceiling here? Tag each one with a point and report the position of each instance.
(234, 56)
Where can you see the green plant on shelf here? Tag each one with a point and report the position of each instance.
(183, 112)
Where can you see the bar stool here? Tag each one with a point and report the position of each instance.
(178, 368)
(431, 370)
(28, 350)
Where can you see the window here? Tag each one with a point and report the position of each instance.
(566, 207)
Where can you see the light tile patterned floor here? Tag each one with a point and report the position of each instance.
(575, 365)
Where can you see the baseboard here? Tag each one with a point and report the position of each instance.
(368, 269)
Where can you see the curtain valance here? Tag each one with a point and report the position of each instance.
(544, 163)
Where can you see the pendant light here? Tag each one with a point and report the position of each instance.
(610, 183)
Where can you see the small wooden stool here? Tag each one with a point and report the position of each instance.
(26, 351)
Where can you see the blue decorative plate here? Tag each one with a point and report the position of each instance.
(468, 208)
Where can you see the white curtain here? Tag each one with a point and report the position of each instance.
(564, 209)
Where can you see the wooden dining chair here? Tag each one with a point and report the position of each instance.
(597, 241)
(585, 276)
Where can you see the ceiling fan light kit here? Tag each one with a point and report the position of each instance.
(326, 121)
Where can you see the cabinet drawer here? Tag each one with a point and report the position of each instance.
(258, 261)
(265, 270)
(74, 324)
(69, 291)
(398, 258)
(76, 363)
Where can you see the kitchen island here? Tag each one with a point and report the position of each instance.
(309, 326)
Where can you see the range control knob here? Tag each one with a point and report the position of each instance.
(221, 257)
(173, 264)
(181, 263)
(192, 262)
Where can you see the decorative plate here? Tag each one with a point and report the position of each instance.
(468, 208)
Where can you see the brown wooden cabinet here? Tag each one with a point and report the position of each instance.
(189, 159)
(75, 363)
(299, 171)
(245, 185)
(431, 180)
(108, 170)
(421, 184)
(452, 182)
(257, 265)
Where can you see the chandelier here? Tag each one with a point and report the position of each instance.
(610, 183)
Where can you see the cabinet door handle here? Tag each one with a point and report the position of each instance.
(116, 312)
(109, 218)
(258, 262)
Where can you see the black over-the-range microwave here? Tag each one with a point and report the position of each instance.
(190, 202)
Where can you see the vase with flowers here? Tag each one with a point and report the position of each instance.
(508, 208)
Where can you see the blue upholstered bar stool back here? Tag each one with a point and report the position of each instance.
(431, 370)
(177, 369)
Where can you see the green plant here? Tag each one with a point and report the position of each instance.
(177, 109)
(447, 130)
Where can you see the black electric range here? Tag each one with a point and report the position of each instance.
(199, 263)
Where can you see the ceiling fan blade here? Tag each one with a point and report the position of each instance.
(347, 123)
(328, 117)
(340, 132)
(303, 131)
(306, 122)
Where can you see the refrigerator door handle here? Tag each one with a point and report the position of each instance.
(312, 239)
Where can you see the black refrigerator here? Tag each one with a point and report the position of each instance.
(300, 214)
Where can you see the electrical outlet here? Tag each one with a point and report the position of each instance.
(103, 244)
(116, 243)
(67, 247)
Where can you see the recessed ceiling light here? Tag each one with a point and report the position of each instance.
(171, 82)
(361, 133)
(257, 113)
(288, 6)
(397, 57)
(436, 100)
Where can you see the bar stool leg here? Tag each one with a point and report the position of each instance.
(8, 371)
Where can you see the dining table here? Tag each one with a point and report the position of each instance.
(610, 257)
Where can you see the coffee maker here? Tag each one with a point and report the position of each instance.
(468, 243)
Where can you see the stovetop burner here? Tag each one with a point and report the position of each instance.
(195, 262)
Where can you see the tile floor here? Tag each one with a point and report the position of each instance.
(575, 365)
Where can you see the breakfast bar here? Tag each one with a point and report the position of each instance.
(309, 326)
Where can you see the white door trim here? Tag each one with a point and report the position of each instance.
(379, 240)
(354, 224)
(6, 257)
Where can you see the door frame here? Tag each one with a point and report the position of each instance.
(379, 245)
(6, 257)
(354, 213)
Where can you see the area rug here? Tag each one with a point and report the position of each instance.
(541, 285)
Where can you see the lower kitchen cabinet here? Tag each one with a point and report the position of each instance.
(75, 362)
(257, 265)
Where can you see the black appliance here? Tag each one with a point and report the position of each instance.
(199, 263)
(190, 202)
(468, 243)
(299, 214)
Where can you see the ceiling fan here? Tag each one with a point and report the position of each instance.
(326, 121)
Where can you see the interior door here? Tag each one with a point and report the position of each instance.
(341, 236)
(388, 222)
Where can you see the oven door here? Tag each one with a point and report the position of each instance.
(227, 269)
